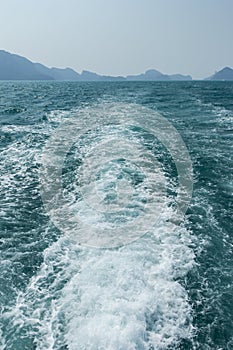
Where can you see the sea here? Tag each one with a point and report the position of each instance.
(116, 208)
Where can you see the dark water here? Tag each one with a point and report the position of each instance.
(170, 289)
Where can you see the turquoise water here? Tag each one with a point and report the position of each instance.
(169, 289)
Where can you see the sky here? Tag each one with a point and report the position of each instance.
(120, 37)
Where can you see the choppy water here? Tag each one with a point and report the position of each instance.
(169, 289)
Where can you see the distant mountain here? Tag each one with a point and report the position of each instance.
(15, 67)
(224, 74)
(155, 75)
(150, 74)
(90, 76)
(180, 77)
(58, 73)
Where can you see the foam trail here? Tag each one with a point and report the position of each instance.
(119, 299)
(124, 298)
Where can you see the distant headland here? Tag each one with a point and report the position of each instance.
(15, 67)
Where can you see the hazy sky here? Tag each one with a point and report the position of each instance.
(120, 37)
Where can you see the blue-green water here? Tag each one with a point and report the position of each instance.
(170, 289)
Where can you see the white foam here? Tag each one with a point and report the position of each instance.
(89, 299)
(110, 299)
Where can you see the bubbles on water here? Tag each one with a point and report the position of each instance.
(111, 299)
(122, 186)
(116, 183)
